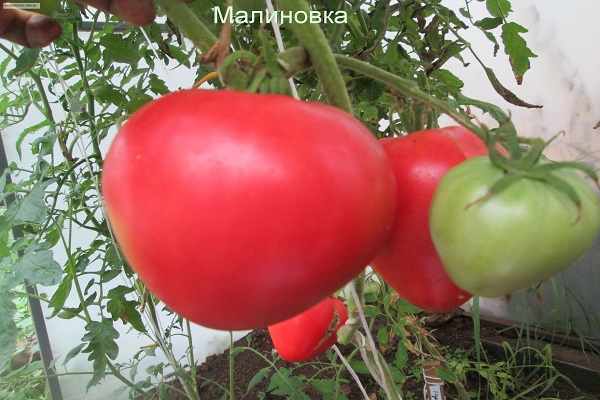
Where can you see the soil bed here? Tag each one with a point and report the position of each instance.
(453, 331)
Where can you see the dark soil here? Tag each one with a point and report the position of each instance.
(453, 331)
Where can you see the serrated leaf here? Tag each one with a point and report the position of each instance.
(157, 85)
(38, 268)
(498, 8)
(324, 386)
(25, 61)
(450, 79)
(111, 95)
(126, 311)
(31, 208)
(401, 357)
(516, 49)
(101, 345)
(259, 377)
(8, 328)
(116, 49)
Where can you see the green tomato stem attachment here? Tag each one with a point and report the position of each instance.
(313, 39)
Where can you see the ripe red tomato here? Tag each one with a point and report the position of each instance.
(409, 261)
(516, 238)
(311, 332)
(240, 210)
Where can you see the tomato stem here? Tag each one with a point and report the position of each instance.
(189, 24)
(411, 89)
(313, 39)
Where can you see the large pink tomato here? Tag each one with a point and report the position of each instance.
(410, 262)
(240, 210)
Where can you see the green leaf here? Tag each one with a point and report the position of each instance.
(327, 387)
(359, 367)
(446, 375)
(26, 61)
(382, 337)
(32, 208)
(401, 357)
(125, 310)
(101, 345)
(495, 112)
(488, 23)
(60, 296)
(450, 79)
(31, 129)
(498, 8)
(505, 93)
(259, 377)
(73, 353)
(157, 85)
(116, 49)
(8, 328)
(38, 268)
(110, 94)
(516, 49)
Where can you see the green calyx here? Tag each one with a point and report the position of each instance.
(525, 160)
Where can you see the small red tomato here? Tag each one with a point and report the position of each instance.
(311, 332)
(409, 262)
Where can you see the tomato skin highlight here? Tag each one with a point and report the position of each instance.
(409, 261)
(309, 333)
(240, 210)
(525, 234)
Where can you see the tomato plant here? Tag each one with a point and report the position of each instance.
(241, 210)
(409, 261)
(309, 333)
(495, 244)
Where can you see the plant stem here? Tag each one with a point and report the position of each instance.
(410, 89)
(189, 24)
(313, 39)
(89, 94)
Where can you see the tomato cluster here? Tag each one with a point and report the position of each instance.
(241, 211)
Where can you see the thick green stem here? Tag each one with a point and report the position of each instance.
(313, 39)
(189, 24)
(410, 89)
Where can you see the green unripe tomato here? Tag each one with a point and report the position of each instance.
(47, 7)
(516, 238)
